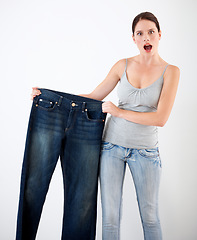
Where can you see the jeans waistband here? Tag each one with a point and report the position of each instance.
(69, 100)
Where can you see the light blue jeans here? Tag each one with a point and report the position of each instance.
(145, 167)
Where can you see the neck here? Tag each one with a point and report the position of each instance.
(149, 59)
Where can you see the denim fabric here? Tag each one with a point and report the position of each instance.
(145, 167)
(71, 127)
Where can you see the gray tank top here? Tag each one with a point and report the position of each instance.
(126, 133)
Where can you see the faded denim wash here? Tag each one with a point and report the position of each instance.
(70, 127)
(145, 167)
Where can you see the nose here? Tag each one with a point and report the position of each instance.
(146, 38)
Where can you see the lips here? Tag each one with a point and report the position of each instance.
(147, 47)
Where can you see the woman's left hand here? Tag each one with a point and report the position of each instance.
(109, 107)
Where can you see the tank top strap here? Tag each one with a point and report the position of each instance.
(165, 69)
(125, 66)
(124, 70)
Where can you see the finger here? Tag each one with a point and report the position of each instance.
(104, 109)
(36, 89)
(105, 104)
(33, 95)
(36, 92)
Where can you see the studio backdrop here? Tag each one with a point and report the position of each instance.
(70, 46)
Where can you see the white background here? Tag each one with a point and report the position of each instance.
(70, 46)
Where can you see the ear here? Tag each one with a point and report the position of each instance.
(133, 37)
(159, 34)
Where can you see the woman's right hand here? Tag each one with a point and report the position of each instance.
(35, 92)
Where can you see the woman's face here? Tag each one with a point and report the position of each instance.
(146, 37)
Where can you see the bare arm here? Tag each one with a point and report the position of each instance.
(165, 104)
(104, 88)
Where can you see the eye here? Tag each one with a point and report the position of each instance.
(139, 33)
(151, 31)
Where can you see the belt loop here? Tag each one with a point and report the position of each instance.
(83, 106)
(36, 99)
(60, 101)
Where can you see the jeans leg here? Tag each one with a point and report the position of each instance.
(80, 165)
(112, 171)
(42, 149)
(145, 167)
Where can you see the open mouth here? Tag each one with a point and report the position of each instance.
(148, 47)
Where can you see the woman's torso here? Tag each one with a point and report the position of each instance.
(128, 134)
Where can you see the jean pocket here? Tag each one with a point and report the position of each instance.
(149, 153)
(94, 115)
(45, 104)
(107, 145)
(152, 155)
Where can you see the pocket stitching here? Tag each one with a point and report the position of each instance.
(141, 152)
(92, 120)
(107, 146)
(155, 158)
(43, 108)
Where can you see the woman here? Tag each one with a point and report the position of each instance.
(146, 91)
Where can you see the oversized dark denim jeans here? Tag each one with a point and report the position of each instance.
(71, 127)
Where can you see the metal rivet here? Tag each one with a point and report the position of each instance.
(73, 104)
(36, 105)
(40, 100)
(50, 102)
(86, 109)
(56, 102)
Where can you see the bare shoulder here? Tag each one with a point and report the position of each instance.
(120, 64)
(133, 60)
(172, 74)
(173, 69)
(119, 67)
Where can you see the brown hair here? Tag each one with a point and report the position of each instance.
(147, 16)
